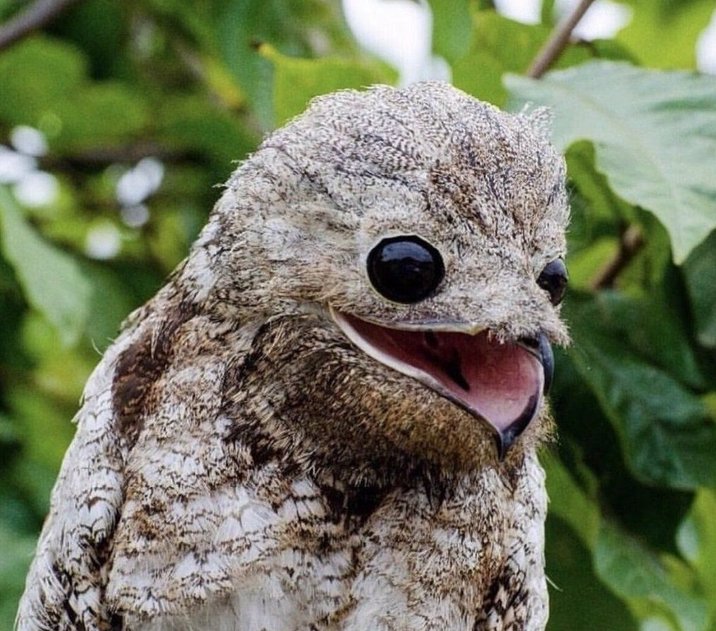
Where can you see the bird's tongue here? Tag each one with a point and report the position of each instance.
(501, 383)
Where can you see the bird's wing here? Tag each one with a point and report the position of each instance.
(63, 588)
(151, 501)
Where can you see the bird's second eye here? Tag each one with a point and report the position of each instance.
(405, 269)
(553, 280)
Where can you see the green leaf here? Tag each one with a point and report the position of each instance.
(100, 114)
(240, 27)
(502, 45)
(661, 33)
(452, 30)
(193, 20)
(39, 417)
(59, 99)
(583, 262)
(569, 502)
(192, 123)
(110, 304)
(654, 135)
(96, 27)
(637, 576)
(59, 373)
(667, 435)
(243, 25)
(697, 541)
(50, 279)
(662, 340)
(598, 216)
(297, 81)
(34, 75)
(568, 562)
(651, 284)
(700, 275)
(14, 562)
(574, 587)
(604, 206)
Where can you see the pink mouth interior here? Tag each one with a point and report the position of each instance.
(501, 383)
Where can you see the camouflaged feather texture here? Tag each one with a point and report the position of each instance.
(239, 464)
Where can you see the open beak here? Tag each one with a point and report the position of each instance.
(501, 383)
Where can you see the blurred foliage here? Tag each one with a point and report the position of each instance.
(631, 537)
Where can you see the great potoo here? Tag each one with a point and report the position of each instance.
(328, 417)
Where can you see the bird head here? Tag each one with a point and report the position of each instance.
(403, 249)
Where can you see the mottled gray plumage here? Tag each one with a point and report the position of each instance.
(241, 463)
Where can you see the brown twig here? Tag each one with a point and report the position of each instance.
(557, 41)
(632, 238)
(630, 243)
(34, 17)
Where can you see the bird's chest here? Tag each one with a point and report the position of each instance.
(361, 585)
(407, 566)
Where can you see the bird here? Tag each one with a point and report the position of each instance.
(329, 417)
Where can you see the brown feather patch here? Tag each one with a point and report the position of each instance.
(139, 367)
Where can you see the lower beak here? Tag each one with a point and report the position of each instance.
(540, 348)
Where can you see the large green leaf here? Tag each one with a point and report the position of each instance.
(59, 99)
(502, 45)
(662, 33)
(569, 502)
(568, 554)
(654, 134)
(590, 446)
(451, 28)
(39, 417)
(572, 580)
(604, 205)
(193, 123)
(98, 115)
(651, 323)
(597, 217)
(651, 588)
(243, 25)
(96, 26)
(297, 81)
(14, 561)
(697, 541)
(34, 75)
(50, 279)
(666, 432)
(700, 275)
(631, 571)
(637, 576)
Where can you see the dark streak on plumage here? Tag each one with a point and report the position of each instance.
(116, 622)
(355, 505)
(140, 365)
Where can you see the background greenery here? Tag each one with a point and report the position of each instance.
(632, 530)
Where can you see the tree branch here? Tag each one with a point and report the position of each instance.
(557, 41)
(34, 17)
(101, 156)
(632, 238)
(630, 243)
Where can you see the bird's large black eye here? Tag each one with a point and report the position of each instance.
(553, 280)
(405, 269)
